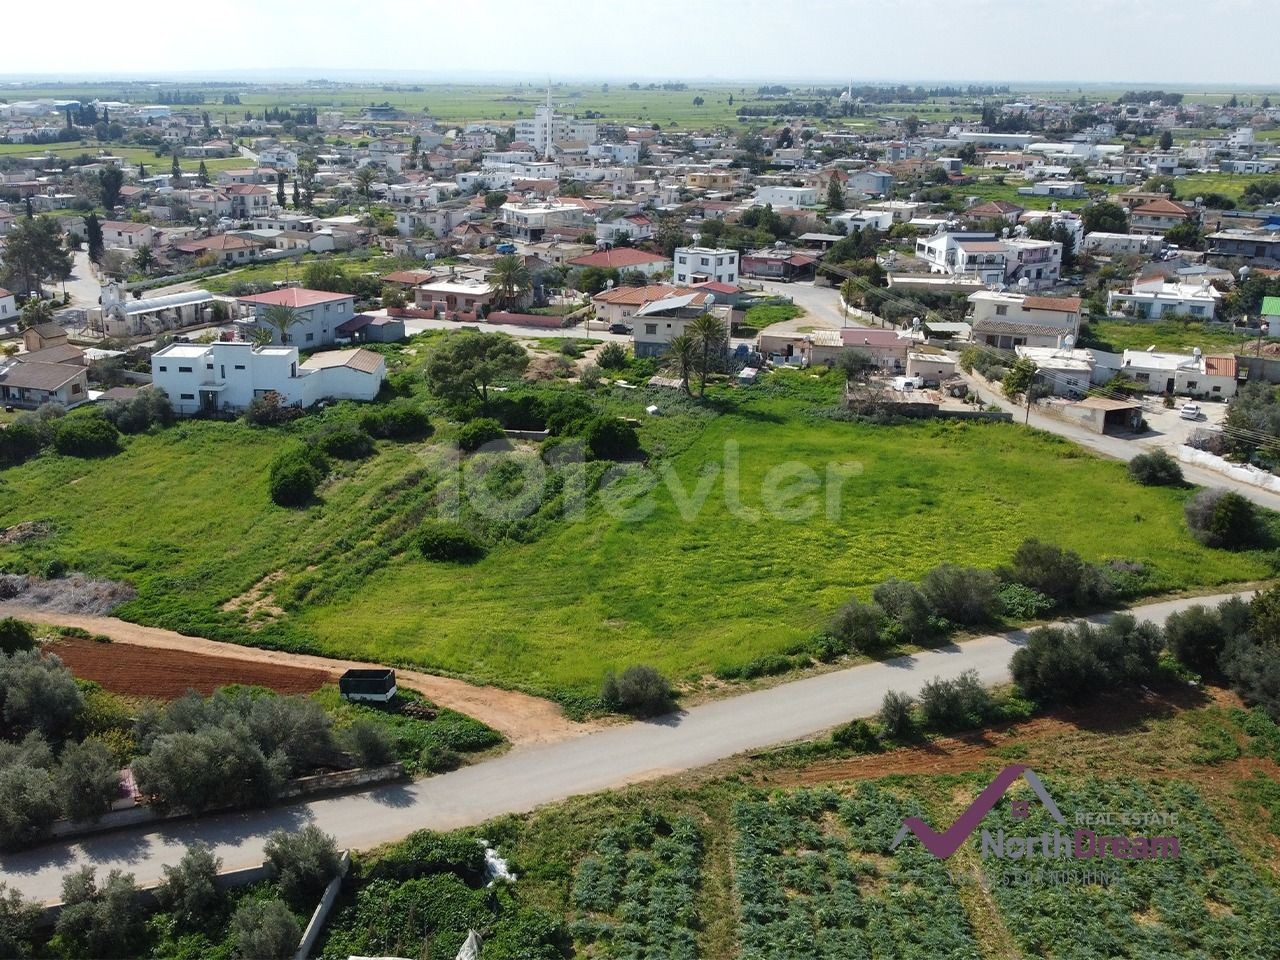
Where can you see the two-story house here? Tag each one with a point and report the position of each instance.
(1008, 320)
(316, 314)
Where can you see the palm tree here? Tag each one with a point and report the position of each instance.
(710, 339)
(281, 318)
(682, 355)
(511, 279)
(364, 181)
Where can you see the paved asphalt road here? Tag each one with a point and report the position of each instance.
(525, 778)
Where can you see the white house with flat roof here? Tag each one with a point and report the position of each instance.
(786, 196)
(703, 264)
(1158, 297)
(227, 377)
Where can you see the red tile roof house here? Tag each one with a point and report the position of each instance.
(318, 315)
(625, 260)
(229, 248)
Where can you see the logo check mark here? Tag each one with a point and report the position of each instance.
(943, 845)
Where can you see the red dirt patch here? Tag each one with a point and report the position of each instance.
(168, 674)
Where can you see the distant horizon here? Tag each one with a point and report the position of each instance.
(717, 41)
(490, 79)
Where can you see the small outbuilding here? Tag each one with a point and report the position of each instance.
(376, 684)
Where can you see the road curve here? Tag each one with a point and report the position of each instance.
(529, 776)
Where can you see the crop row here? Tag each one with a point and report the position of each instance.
(815, 878)
(637, 895)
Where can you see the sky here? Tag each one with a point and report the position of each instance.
(1209, 43)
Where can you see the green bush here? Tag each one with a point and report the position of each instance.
(1061, 575)
(1155, 469)
(189, 891)
(908, 612)
(959, 704)
(18, 442)
(436, 758)
(344, 442)
(447, 541)
(370, 744)
(895, 713)
(967, 596)
(1021, 602)
(106, 921)
(1069, 664)
(1196, 637)
(426, 853)
(398, 420)
(16, 635)
(1223, 519)
(858, 736)
(612, 356)
(474, 434)
(639, 690)
(304, 861)
(264, 930)
(858, 625)
(270, 410)
(608, 438)
(86, 435)
(295, 474)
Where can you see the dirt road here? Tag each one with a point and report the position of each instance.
(521, 718)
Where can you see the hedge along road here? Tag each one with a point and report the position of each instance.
(529, 776)
(521, 718)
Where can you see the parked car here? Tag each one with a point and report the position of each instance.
(619, 328)
(1190, 411)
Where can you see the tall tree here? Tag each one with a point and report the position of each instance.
(682, 355)
(93, 237)
(33, 252)
(1166, 141)
(280, 188)
(144, 259)
(281, 318)
(307, 178)
(711, 337)
(296, 202)
(511, 280)
(202, 174)
(364, 181)
(835, 194)
(463, 367)
(175, 171)
(110, 180)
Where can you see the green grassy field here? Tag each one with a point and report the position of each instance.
(1229, 184)
(184, 515)
(1119, 335)
(135, 155)
(293, 270)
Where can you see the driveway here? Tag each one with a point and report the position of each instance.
(822, 304)
(527, 777)
(82, 285)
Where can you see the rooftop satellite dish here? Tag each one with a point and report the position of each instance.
(1069, 341)
(711, 300)
(1195, 352)
(697, 237)
(1151, 349)
(1243, 272)
(1023, 283)
(608, 284)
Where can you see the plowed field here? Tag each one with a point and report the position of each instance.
(168, 674)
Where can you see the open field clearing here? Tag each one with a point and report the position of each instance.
(1116, 336)
(675, 574)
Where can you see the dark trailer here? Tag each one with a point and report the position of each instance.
(379, 685)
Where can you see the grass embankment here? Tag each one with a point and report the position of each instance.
(829, 509)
